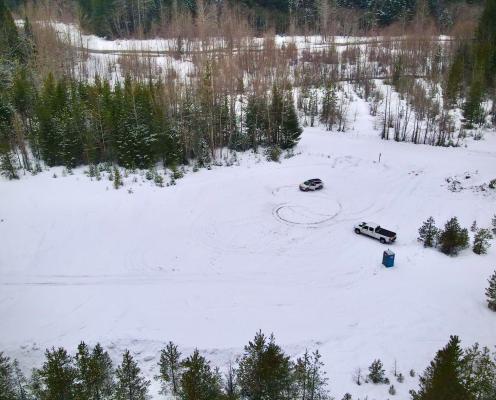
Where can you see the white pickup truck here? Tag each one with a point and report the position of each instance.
(373, 230)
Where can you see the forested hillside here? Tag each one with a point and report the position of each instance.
(118, 18)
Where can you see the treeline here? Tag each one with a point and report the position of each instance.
(121, 18)
(66, 121)
(262, 371)
(473, 73)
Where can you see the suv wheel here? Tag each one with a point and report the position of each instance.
(357, 231)
(382, 240)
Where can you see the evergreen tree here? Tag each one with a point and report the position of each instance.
(198, 380)
(493, 222)
(231, 388)
(310, 379)
(9, 389)
(290, 127)
(329, 114)
(376, 372)
(428, 232)
(8, 166)
(479, 373)
(95, 379)
(443, 379)
(481, 241)
(170, 369)
(491, 292)
(130, 385)
(453, 238)
(264, 370)
(117, 178)
(56, 379)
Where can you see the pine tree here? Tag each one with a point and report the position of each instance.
(231, 388)
(376, 372)
(198, 380)
(264, 370)
(56, 379)
(8, 166)
(130, 385)
(479, 372)
(491, 292)
(428, 232)
(117, 178)
(329, 114)
(443, 379)
(170, 369)
(8, 387)
(453, 238)
(290, 126)
(481, 241)
(95, 373)
(310, 379)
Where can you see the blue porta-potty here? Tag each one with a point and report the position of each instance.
(388, 259)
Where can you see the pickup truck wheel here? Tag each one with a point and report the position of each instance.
(382, 240)
(357, 231)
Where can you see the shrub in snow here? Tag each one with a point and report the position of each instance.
(428, 233)
(347, 396)
(400, 378)
(492, 184)
(481, 241)
(473, 227)
(392, 390)
(273, 153)
(149, 175)
(491, 292)
(376, 372)
(159, 181)
(453, 238)
(412, 373)
(493, 222)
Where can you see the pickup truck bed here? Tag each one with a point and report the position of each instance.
(385, 232)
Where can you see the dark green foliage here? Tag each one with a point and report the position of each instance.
(376, 372)
(428, 232)
(264, 370)
(309, 379)
(8, 165)
(130, 384)
(12, 382)
(290, 126)
(479, 372)
(117, 178)
(491, 292)
(170, 369)
(95, 379)
(56, 379)
(198, 381)
(455, 374)
(444, 378)
(453, 238)
(481, 241)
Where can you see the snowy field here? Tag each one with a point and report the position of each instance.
(227, 252)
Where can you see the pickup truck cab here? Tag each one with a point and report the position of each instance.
(375, 231)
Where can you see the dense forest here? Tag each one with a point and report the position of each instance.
(127, 17)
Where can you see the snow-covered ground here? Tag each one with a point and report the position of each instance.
(227, 252)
